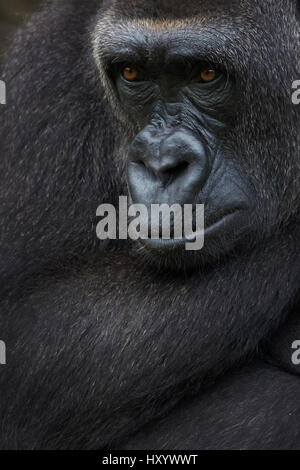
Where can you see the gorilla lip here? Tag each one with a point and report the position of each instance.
(151, 233)
(224, 223)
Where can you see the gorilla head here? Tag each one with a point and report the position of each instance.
(193, 95)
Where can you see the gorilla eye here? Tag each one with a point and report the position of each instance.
(130, 73)
(208, 74)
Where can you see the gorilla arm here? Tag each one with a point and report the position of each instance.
(247, 410)
(95, 356)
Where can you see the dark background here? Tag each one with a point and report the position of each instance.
(13, 13)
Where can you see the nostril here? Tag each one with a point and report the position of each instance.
(168, 175)
(139, 162)
(143, 169)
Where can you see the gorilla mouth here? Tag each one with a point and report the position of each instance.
(227, 226)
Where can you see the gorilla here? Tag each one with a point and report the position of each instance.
(142, 344)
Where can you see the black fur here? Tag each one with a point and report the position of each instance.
(100, 345)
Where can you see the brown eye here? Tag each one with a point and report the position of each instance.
(130, 73)
(207, 74)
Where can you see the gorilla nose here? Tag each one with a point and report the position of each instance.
(166, 168)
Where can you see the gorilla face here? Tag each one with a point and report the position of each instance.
(181, 107)
(179, 89)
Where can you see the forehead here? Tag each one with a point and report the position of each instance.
(136, 27)
(127, 19)
(170, 10)
(216, 30)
